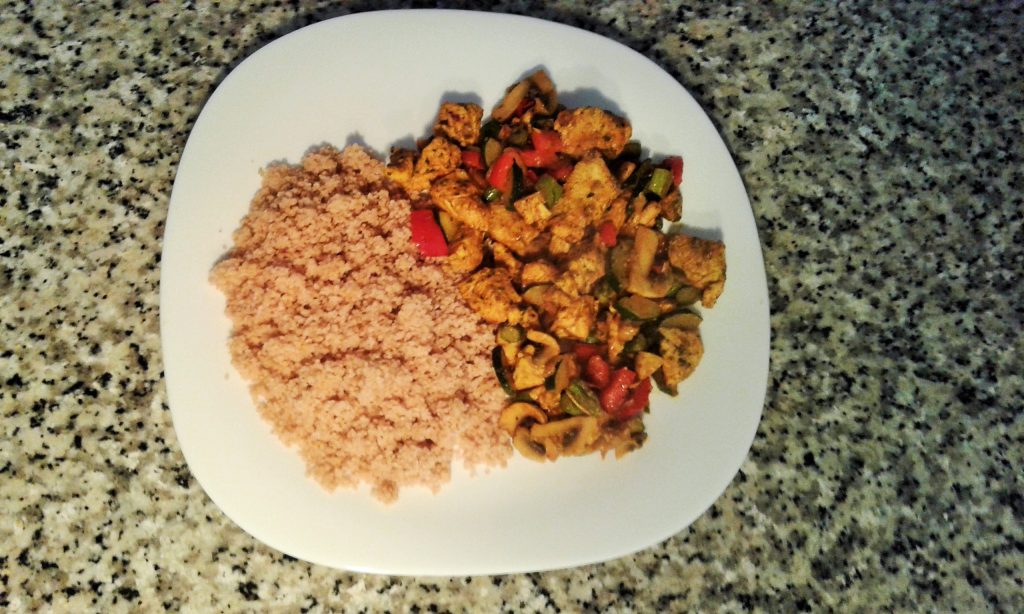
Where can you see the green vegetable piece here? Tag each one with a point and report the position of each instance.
(489, 130)
(685, 320)
(604, 292)
(687, 295)
(619, 264)
(502, 372)
(660, 182)
(581, 399)
(638, 308)
(491, 195)
(636, 344)
(631, 150)
(518, 186)
(547, 186)
(448, 225)
(519, 136)
(492, 149)
(507, 333)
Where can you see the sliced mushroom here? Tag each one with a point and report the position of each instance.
(513, 97)
(516, 415)
(526, 445)
(571, 436)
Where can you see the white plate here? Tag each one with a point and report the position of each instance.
(378, 78)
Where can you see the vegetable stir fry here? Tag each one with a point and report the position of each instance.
(553, 217)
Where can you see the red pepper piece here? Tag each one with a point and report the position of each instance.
(614, 394)
(546, 141)
(426, 234)
(598, 371)
(501, 171)
(536, 158)
(608, 235)
(675, 165)
(636, 403)
(561, 171)
(524, 106)
(471, 158)
(584, 351)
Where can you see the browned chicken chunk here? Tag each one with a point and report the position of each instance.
(702, 262)
(460, 197)
(590, 129)
(489, 292)
(459, 122)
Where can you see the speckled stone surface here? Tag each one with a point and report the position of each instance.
(881, 144)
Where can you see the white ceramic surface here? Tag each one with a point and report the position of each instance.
(378, 78)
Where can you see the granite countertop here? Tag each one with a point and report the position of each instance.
(881, 145)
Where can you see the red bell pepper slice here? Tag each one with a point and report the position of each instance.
(525, 105)
(471, 158)
(584, 351)
(614, 394)
(536, 158)
(501, 171)
(598, 371)
(607, 233)
(636, 403)
(426, 234)
(675, 165)
(561, 171)
(546, 141)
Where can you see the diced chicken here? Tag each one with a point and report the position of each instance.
(400, 167)
(438, 158)
(620, 332)
(588, 129)
(489, 292)
(459, 122)
(616, 213)
(589, 190)
(528, 372)
(466, 253)
(582, 272)
(533, 209)
(460, 197)
(681, 351)
(538, 272)
(511, 230)
(574, 316)
(503, 256)
(702, 262)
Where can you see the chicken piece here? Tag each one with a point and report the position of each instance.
(529, 372)
(582, 272)
(538, 272)
(459, 122)
(616, 213)
(589, 189)
(460, 197)
(547, 399)
(559, 246)
(644, 214)
(620, 332)
(437, 159)
(503, 256)
(702, 262)
(489, 292)
(588, 129)
(533, 209)
(528, 318)
(672, 205)
(511, 230)
(400, 167)
(466, 253)
(681, 351)
(573, 316)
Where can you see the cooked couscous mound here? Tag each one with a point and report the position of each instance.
(358, 352)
